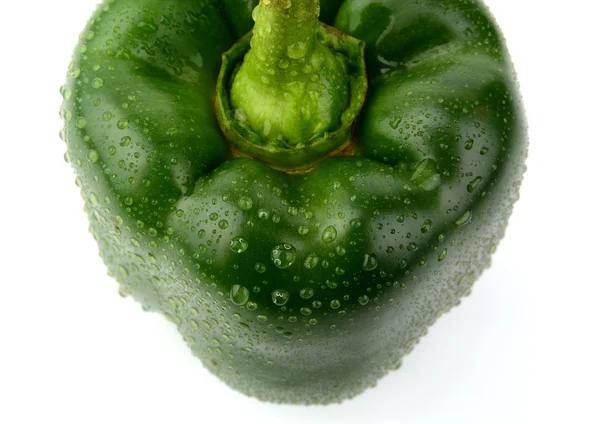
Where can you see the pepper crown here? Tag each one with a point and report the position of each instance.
(292, 98)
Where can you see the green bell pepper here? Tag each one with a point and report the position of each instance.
(301, 230)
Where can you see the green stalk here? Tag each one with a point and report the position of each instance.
(289, 92)
(284, 38)
(290, 88)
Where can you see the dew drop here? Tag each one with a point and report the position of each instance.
(93, 198)
(263, 214)
(280, 297)
(329, 234)
(305, 311)
(245, 203)
(238, 244)
(369, 262)
(311, 261)
(92, 156)
(473, 184)
(125, 141)
(297, 50)
(239, 295)
(97, 83)
(426, 227)
(283, 255)
(123, 123)
(307, 293)
(443, 255)
(67, 93)
(464, 219)
(363, 300)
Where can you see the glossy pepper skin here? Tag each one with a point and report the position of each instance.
(296, 288)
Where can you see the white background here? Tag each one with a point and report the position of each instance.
(523, 348)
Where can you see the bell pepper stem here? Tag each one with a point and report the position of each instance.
(290, 95)
(290, 88)
(284, 37)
